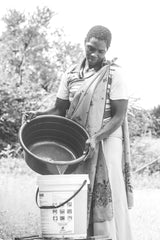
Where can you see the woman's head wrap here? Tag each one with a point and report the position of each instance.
(101, 33)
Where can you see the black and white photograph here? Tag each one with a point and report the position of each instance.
(79, 120)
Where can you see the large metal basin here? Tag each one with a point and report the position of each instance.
(53, 144)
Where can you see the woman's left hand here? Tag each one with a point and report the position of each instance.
(92, 145)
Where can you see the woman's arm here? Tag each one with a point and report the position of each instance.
(118, 111)
(59, 108)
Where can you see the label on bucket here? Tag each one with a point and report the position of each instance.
(57, 220)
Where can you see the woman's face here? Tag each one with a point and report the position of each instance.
(95, 51)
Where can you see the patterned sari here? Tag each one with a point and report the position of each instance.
(87, 108)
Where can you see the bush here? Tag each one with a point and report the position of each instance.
(145, 150)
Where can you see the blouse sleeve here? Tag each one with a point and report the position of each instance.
(63, 89)
(119, 88)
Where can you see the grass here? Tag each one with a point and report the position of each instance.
(145, 214)
(20, 216)
(146, 181)
(143, 151)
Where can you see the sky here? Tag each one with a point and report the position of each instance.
(135, 32)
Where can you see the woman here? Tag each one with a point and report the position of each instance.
(93, 94)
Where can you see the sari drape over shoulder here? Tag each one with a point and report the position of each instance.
(87, 108)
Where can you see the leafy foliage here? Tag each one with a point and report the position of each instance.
(143, 122)
(144, 134)
(145, 150)
(156, 120)
(140, 120)
(32, 62)
(24, 43)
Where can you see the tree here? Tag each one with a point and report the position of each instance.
(24, 42)
(140, 120)
(29, 55)
(32, 61)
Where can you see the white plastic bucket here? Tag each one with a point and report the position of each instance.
(69, 220)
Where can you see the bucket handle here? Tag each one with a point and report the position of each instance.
(60, 205)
